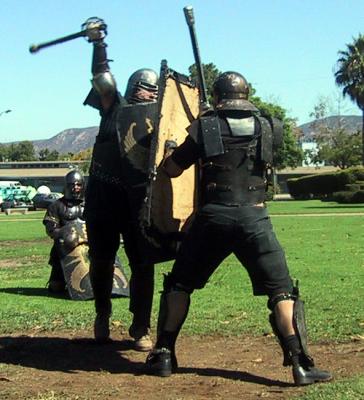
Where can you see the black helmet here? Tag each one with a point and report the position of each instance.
(144, 78)
(74, 185)
(231, 92)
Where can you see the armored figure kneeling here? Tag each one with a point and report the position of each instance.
(61, 215)
(69, 255)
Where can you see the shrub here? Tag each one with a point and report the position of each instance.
(348, 197)
(353, 187)
(342, 197)
(271, 191)
(324, 185)
(358, 196)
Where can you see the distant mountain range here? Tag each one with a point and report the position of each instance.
(69, 141)
(77, 139)
(352, 123)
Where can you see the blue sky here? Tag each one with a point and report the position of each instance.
(286, 48)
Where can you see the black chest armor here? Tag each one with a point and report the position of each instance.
(68, 211)
(237, 175)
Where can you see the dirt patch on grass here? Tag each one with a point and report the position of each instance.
(72, 366)
(23, 243)
(24, 262)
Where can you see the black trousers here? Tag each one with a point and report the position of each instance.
(109, 212)
(55, 262)
(245, 231)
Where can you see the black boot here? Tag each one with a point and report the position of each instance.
(303, 367)
(306, 374)
(161, 362)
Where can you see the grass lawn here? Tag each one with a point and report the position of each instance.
(317, 252)
(325, 253)
(312, 207)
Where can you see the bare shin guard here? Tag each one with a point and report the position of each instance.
(294, 346)
(286, 352)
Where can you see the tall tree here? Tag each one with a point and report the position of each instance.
(46, 155)
(4, 152)
(84, 156)
(350, 76)
(21, 151)
(210, 72)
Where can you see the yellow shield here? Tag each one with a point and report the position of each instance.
(171, 202)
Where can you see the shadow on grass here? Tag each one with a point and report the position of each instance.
(27, 291)
(43, 292)
(79, 354)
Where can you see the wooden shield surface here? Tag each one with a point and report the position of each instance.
(173, 201)
(76, 268)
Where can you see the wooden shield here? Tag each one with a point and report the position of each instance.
(171, 202)
(76, 268)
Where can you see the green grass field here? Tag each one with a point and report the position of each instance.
(324, 252)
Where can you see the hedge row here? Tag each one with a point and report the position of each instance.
(348, 197)
(321, 186)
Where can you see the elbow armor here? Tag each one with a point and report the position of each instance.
(104, 83)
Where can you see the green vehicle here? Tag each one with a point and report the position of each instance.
(13, 194)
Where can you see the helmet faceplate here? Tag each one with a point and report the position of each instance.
(142, 79)
(74, 186)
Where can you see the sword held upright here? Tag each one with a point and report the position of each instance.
(190, 19)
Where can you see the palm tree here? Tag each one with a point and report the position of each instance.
(350, 75)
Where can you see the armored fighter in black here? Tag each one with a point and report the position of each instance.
(234, 145)
(116, 188)
(60, 213)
